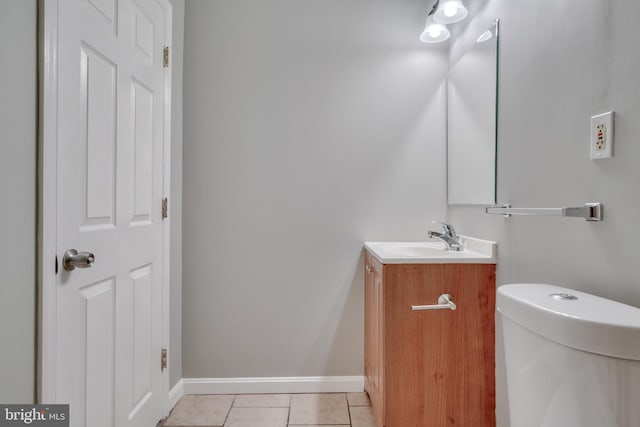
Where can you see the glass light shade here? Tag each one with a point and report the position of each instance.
(450, 11)
(434, 32)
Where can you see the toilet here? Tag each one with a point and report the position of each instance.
(572, 358)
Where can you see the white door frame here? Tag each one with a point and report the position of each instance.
(47, 194)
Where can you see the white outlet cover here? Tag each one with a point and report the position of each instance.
(602, 136)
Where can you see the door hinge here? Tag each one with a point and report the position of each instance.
(163, 364)
(165, 57)
(165, 208)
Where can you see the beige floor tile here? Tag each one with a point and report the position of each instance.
(262, 401)
(328, 409)
(358, 399)
(362, 416)
(200, 410)
(257, 417)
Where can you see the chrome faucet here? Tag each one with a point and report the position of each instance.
(449, 237)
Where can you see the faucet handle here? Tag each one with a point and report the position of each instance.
(448, 228)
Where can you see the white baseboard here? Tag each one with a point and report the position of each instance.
(176, 393)
(272, 385)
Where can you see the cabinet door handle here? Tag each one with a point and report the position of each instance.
(444, 303)
(368, 269)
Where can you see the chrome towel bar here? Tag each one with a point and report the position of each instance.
(590, 211)
(444, 303)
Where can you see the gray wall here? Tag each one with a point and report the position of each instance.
(310, 127)
(562, 62)
(175, 314)
(18, 50)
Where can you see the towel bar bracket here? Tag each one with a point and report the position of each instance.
(590, 211)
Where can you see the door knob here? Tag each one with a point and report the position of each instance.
(73, 259)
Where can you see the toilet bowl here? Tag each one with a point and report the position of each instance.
(572, 359)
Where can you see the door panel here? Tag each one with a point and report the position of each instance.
(143, 34)
(98, 126)
(141, 344)
(440, 363)
(107, 8)
(142, 117)
(100, 341)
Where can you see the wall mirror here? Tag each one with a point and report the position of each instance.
(472, 121)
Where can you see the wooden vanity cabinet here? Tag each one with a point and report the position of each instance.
(430, 368)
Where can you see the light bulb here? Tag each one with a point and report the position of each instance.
(450, 11)
(434, 32)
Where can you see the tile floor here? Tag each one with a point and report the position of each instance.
(272, 410)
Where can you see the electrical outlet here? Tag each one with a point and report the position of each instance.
(602, 136)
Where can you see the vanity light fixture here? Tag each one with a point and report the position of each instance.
(447, 12)
(434, 32)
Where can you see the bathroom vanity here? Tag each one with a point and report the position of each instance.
(430, 366)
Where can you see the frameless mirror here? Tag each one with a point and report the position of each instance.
(472, 123)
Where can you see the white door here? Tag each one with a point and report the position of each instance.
(109, 160)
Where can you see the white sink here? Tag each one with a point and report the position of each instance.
(413, 250)
(476, 251)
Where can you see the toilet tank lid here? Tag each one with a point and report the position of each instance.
(573, 318)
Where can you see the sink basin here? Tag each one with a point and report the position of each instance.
(418, 250)
(476, 251)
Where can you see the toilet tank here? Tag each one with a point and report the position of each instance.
(572, 359)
